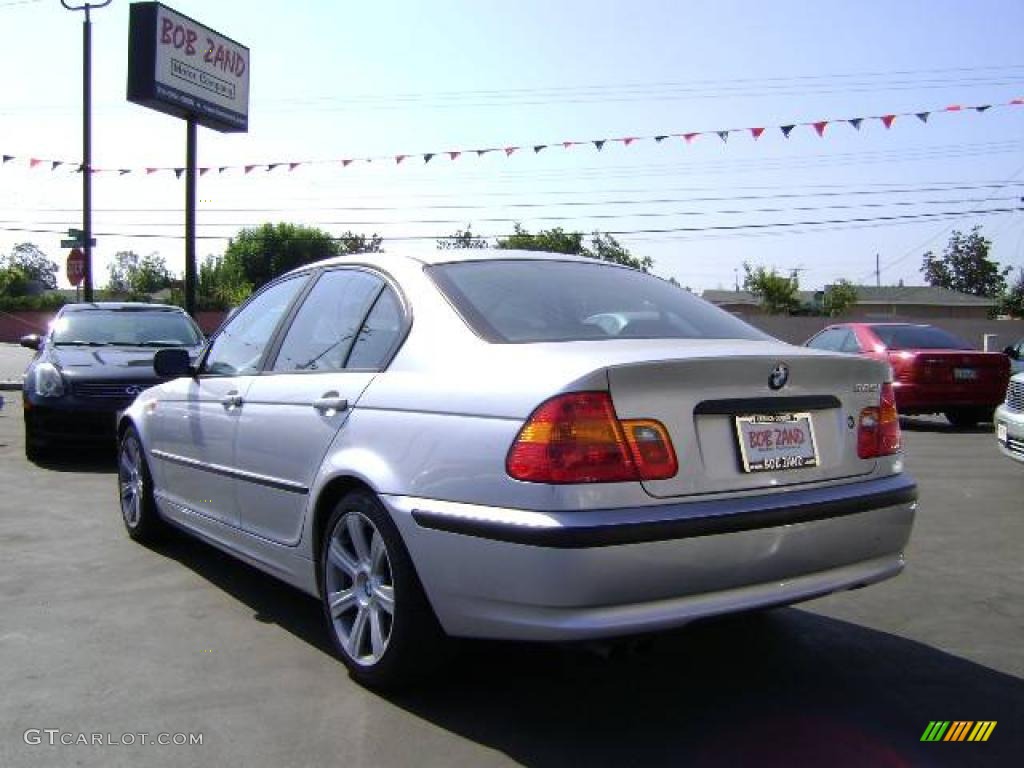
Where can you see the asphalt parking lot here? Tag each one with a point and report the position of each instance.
(99, 635)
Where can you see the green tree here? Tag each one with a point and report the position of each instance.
(134, 275)
(461, 239)
(221, 284)
(602, 247)
(965, 266)
(33, 263)
(839, 297)
(778, 294)
(1013, 301)
(13, 281)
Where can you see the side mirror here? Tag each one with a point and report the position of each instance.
(1010, 351)
(172, 363)
(32, 341)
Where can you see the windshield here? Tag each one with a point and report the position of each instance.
(128, 328)
(513, 301)
(917, 337)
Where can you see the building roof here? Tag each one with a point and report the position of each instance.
(870, 294)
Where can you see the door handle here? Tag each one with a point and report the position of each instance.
(330, 401)
(232, 400)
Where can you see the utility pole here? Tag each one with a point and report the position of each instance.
(878, 271)
(86, 138)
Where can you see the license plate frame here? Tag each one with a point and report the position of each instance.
(757, 455)
(1001, 433)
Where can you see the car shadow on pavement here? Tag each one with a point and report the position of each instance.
(786, 687)
(92, 459)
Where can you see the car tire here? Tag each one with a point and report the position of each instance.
(965, 418)
(36, 448)
(135, 491)
(377, 614)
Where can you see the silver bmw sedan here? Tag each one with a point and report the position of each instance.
(502, 444)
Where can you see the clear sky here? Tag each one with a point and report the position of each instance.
(334, 79)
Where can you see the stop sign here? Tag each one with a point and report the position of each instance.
(76, 266)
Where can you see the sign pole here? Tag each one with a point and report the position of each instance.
(190, 217)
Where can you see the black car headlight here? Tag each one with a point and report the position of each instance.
(48, 381)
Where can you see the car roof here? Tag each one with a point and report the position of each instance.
(454, 255)
(125, 306)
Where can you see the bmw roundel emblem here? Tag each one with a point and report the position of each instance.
(779, 376)
(133, 391)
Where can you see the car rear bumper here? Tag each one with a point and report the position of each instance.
(913, 398)
(1013, 421)
(518, 574)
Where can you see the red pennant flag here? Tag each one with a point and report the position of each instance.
(454, 155)
(249, 168)
(627, 140)
(399, 159)
(1017, 101)
(510, 150)
(568, 144)
(887, 120)
(33, 162)
(293, 166)
(690, 137)
(756, 133)
(345, 163)
(953, 108)
(819, 127)
(150, 171)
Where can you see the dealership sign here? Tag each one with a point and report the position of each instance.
(180, 67)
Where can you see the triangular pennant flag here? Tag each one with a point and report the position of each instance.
(756, 133)
(454, 155)
(568, 144)
(599, 144)
(510, 150)
(627, 140)
(855, 122)
(923, 116)
(203, 171)
(293, 166)
(33, 162)
(953, 108)
(272, 166)
(690, 136)
(786, 130)
(983, 107)
(428, 157)
(819, 127)
(723, 135)
(80, 169)
(1015, 101)
(346, 163)
(399, 159)
(660, 139)
(249, 168)
(538, 147)
(8, 158)
(482, 152)
(887, 120)
(56, 164)
(222, 168)
(178, 172)
(125, 171)
(149, 171)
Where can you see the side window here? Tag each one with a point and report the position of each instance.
(850, 343)
(237, 349)
(379, 333)
(325, 326)
(828, 339)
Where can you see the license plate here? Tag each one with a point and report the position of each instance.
(1001, 433)
(771, 442)
(965, 374)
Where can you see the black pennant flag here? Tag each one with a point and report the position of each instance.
(124, 171)
(538, 147)
(600, 144)
(787, 129)
(723, 135)
(56, 164)
(983, 107)
(855, 122)
(428, 157)
(178, 172)
(923, 116)
(660, 139)
(8, 158)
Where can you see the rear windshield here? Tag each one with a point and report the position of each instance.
(917, 337)
(120, 327)
(512, 301)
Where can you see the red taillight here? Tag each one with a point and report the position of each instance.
(878, 431)
(577, 438)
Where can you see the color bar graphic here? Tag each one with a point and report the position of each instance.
(958, 730)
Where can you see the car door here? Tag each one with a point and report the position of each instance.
(334, 346)
(193, 432)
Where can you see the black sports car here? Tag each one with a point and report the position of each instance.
(91, 364)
